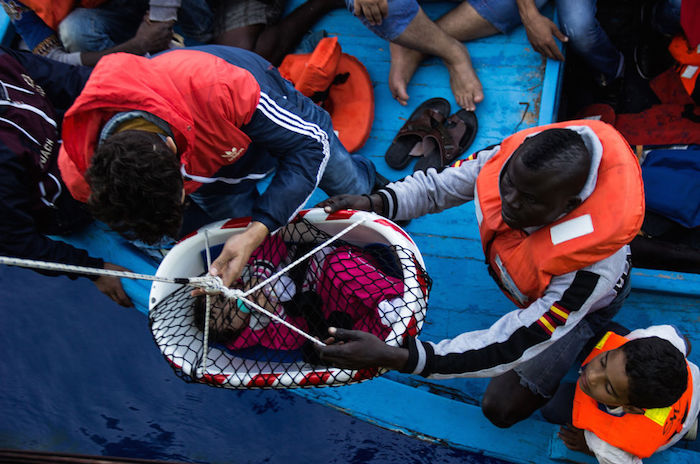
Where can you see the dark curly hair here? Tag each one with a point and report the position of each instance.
(657, 372)
(556, 149)
(136, 186)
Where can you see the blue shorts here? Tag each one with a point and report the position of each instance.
(502, 14)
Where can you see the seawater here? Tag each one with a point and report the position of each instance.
(80, 374)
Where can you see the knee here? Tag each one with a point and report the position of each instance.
(497, 411)
(581, 27)
(74, 29)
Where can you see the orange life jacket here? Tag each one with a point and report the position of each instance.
(688, 68)
(53, 12)
(682, 51)
(340, 84)
(607, 220)
(638, 434)
(689, 77)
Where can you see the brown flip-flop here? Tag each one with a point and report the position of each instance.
(424, 120)
(443, 146)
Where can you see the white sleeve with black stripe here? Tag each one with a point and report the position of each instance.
(428, 193)
(521, 334)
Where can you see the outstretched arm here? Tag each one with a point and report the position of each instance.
(354, 349)
(420, 193)
(540, 30)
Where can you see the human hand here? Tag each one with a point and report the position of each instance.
(373, 10)
(541, 32)
(574, 438)
(153, 36)
(112, 286)
(359, 202)
(237, 249)
(354, 349)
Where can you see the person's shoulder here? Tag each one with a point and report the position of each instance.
(666, 331)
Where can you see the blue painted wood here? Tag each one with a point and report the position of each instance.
(521, 90)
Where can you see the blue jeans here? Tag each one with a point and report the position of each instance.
(543, 373)
(578, 22)
(587, 37)
(577, 17)
(116, 21)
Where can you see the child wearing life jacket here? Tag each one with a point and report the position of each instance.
(339, 286)
(635, 395)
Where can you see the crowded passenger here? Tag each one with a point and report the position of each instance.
(636, 394)
(82, 32)
(135, 145)
(414, 36)
(34, 201)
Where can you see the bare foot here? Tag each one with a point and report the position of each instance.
(404, 62)
(465, 84)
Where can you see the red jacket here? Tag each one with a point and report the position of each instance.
(205, 107)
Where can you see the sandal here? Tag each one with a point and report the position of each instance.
(449, 142)
(424, 120)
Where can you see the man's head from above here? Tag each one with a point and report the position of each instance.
(542, 179)
(643, 373)
(136, 186)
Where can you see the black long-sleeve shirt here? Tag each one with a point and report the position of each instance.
(33, 90)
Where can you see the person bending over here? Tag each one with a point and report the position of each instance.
(205, 124)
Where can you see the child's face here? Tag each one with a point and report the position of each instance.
(226, 316)
(605, 380)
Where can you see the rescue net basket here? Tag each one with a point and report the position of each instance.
(375, 287)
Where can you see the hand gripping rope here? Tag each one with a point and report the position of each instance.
(211, 285)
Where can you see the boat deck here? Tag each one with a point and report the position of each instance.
(520, 91)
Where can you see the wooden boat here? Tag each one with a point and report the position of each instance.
(521, 91)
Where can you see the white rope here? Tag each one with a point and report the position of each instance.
(319, 247)
(207, 312)
(203, 281)
(281, 321)
(210, 284)
(235, 294)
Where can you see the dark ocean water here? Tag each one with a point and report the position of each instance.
(80, 374)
